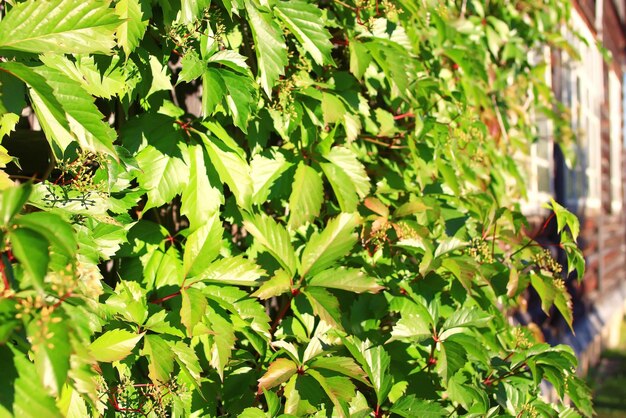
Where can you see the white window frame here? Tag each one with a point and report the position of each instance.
(533, 161)
(583, 84)
(615, 114)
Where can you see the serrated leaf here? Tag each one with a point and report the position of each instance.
(192, 309)
(163, 175)
(279, 371)
(193, 68)
(352, 280)
(12, 200)
(240, 97)
(343, 187)
(305, 21)
(200, 199)
(135, 23)
(231, 59)
(239, 302)
(223, 341)
(280, 283)
(114, 345)
(271, 51)
(57, 231)
(202, 247)
(23, 396)
(59, 26)
(339, 389)
(360, 58)
(52, 354)
(213, 91)
(307, 194)
(274, 238)
(338, 364)
(463, 318)
(188, 361)
(161, 363)
(232, 169)
(31, 250)
(191, 10)
(334, 242)
(410, 406)
(325, 305)
(238, 271)
(85, 69)
(264, 172)
(84, 118)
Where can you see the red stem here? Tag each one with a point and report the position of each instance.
(5, 280)
(164, 298)
(281, 315)
(404, 115)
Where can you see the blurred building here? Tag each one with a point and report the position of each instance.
(591, 90)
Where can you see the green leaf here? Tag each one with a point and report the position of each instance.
(325, 305)
(12, 200)
(274, 238)
(231, 59)
(114, 345)
(271, 51)
(163, 175)
(279, 371)
(352, 280)
(276, 286)
(410, 406)
(333, 108)
(191, 10)
(335, 241)
(192, 309)
(213, 90)
(415, 322)
(264, 172)
(344, 189)
(202, 247)
(188, 361)
(114, 80)
(23, 394)
(52, 354)
(240, 97)
(360, 58)
(222, 341)
(343, 365)
(238, 271)
(130, 33)
(58, 232)
(305, 21)
(59, 26)
(161, 363)
(307, 194)
(200, 199)
(84, 118)
(48, 109)
(31, 250)
(463, 318)
(193, 68)
(232, 169)
(545, 289)
(339, 389)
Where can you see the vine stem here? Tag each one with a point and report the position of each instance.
(5, 279)
(531, 240)
(281, 315)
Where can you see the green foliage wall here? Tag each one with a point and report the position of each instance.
(337, 234)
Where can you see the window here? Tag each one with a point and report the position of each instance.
(538, 160)
(582, 91)
(615, 114)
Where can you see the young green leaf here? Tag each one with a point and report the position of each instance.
(59, 26)
(307, 194)
(271, 51)
(279, 371)
(135, 23)
(274, 238)
(335, 241)
(193, 308)
(114, 345)
(31, 250)
(352, 280)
